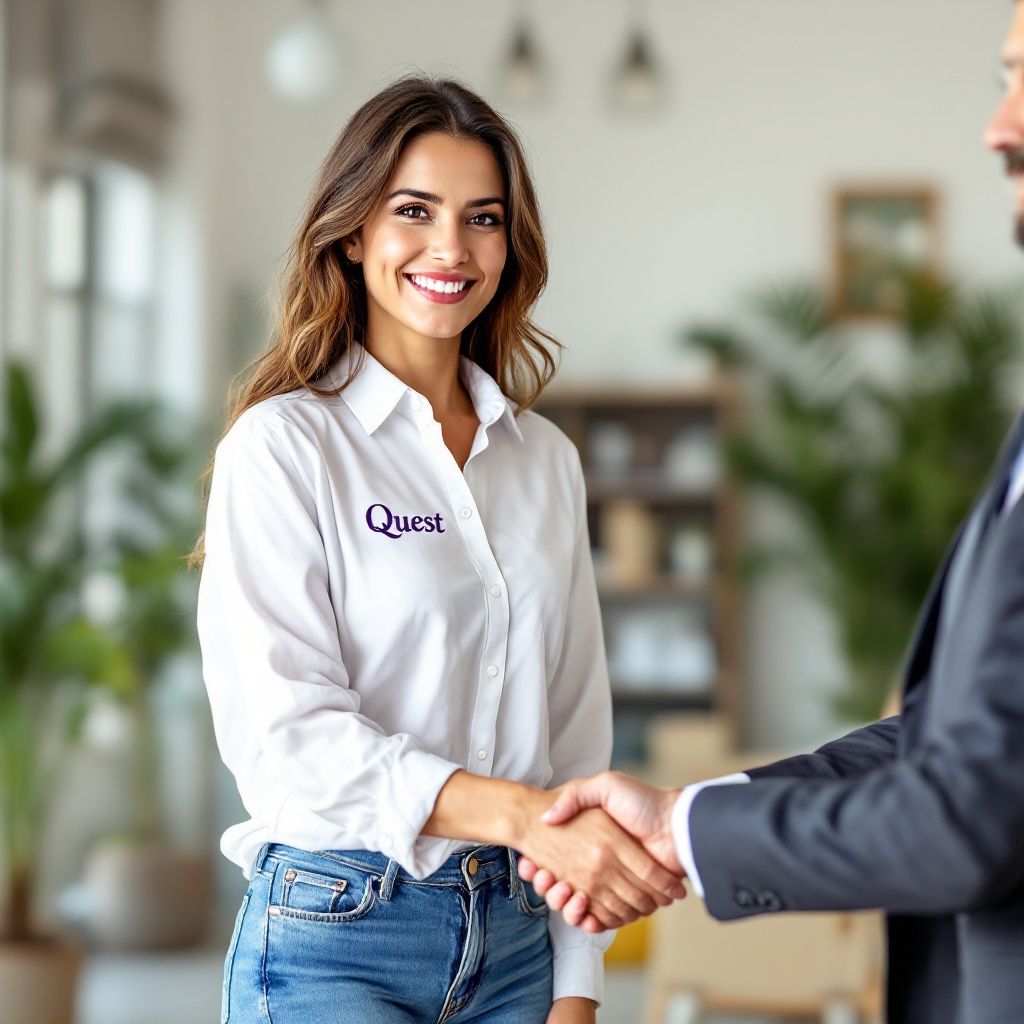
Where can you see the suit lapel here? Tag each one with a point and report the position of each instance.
(949, 584)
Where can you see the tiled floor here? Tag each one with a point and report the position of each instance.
(184, 988)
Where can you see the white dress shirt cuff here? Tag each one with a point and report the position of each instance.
(406, 802)
(578, 961)
(681, 823)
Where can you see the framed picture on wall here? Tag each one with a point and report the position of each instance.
(881, 236)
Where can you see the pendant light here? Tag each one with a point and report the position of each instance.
(303, 61)
(523, 76)
(638, 84)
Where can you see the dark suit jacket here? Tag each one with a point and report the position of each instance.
(921, 815)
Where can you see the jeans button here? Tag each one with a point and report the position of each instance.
(473, 866)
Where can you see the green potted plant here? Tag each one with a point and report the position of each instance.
(50, 654)
(880, 473)
(146, 891)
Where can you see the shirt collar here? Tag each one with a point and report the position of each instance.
(374, 392)
(489, 402)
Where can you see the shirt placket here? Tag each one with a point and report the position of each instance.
(494, 650)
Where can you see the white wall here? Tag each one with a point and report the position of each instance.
(652, 222)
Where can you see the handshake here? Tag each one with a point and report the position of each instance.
(603, 853)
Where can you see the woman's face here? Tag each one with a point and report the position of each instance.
(433, 252)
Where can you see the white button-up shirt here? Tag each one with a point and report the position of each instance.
(373, 618)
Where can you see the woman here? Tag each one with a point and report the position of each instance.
(400, 630)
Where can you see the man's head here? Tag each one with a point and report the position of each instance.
(1005, 133)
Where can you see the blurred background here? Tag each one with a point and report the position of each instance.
(783, 270)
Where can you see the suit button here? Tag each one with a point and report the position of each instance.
(744, 898)
(769, 900)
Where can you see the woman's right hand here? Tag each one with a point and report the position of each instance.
(591, 853)
(596, 857)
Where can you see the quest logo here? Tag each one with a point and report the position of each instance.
(381, 519)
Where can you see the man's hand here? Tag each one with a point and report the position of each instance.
(592, 854)
(642, 810)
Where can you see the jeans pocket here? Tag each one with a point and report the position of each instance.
(229, 961)
(344, 895)
(527, 900)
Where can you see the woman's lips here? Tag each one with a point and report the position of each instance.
(438, 289)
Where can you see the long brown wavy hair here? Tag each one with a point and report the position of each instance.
(323, 305)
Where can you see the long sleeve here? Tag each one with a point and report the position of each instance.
(273, 661)
(854, 754)
(581, 743)
(861, 751)
(938, 831)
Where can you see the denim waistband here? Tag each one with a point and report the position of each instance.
(471, 868)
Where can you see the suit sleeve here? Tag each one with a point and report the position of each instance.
(857, 753)
(936, 832)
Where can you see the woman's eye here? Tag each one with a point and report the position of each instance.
(487, 220)
(412, 212)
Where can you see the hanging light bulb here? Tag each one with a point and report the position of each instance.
(303, 61)
(639, 83)
(523, 78)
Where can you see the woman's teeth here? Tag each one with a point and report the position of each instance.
(432, 284)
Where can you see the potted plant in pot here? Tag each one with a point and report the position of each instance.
(144, 890)
(50, 654)
(880, 473)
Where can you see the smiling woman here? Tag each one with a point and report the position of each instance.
(394, 714)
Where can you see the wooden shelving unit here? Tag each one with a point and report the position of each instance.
(664, 527)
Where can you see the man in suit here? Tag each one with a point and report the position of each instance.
(921, 815)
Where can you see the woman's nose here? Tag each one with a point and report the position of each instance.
(448, 245)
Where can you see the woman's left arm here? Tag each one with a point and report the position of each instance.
(573, 1010)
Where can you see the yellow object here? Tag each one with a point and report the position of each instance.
(630, 945)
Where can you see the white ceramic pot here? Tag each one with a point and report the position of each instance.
(147, 895)
(38, 981)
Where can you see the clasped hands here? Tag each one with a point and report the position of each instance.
(612, 837)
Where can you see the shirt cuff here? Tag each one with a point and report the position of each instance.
(410, 791)
(578, 960)
(681, 823)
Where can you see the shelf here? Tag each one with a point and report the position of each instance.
(672, 490)
(663, 589)
(713, 394)
(653, 490)
(662, 700)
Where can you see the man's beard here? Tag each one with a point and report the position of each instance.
(1015, 169)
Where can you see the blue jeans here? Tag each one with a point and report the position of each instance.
(348, 936)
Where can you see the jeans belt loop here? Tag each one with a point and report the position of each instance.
(513, 873)
(387, 882)
(259, 860)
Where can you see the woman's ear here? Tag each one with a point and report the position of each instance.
(353, 247)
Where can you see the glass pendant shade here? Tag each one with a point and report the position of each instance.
(303, 61)
(638, 84)
(523, 77)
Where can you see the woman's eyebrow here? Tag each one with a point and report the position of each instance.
(427, 197)
(430, 197)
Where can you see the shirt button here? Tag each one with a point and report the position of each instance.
(466, 513)
(495, 591)
(482, 755)
(492, 670)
